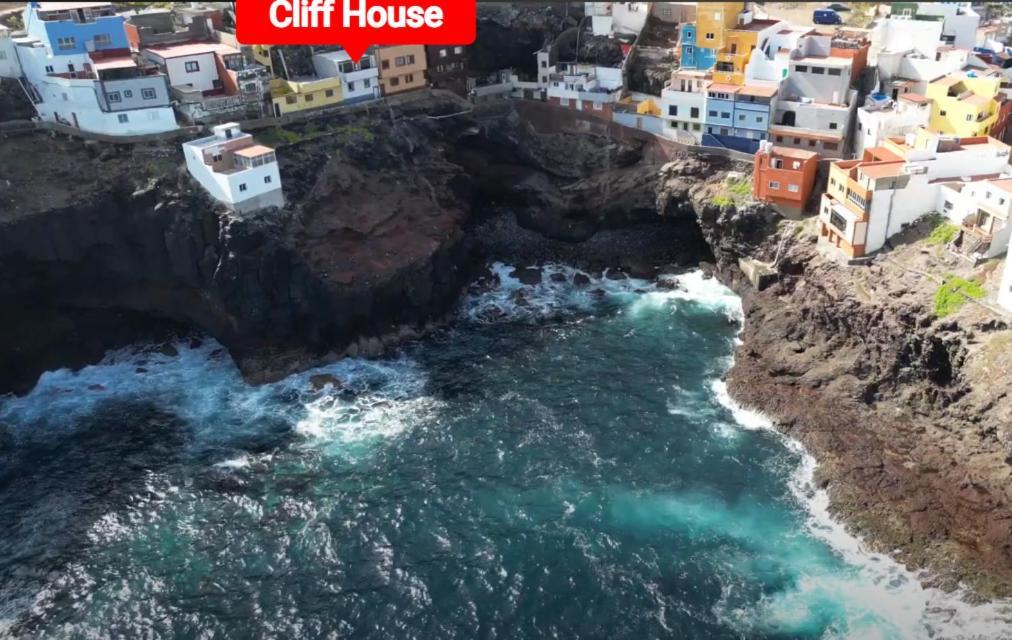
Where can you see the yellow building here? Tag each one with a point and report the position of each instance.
(963, 105)
(297, 94)
(713, 19)
(289, 96)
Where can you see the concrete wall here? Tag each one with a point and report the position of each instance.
(131, 93)
(1005, 289)
(820, 87)
(9, 65)
(202, 79)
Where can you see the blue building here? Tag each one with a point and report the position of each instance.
(76, 28)
(694, 57)
(737, 117)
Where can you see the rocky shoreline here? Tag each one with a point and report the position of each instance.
(391, 217)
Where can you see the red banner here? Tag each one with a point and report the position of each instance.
(356, 24)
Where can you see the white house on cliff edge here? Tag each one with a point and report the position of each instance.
(235, 170)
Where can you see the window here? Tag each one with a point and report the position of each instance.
(148, 94)
(103, 40)
(795, 165)
(65, 98)
(724, 131)
(544, 64)
(801, 68)
(832, 182)
(833, 125)
(123, 118)
(713, 114)
(797, 141)
(3, 55)
(673, 110)
(725, 114)
(598, 106)
(217, 157)
(291, 99)
(351, 87)
(758, 119)
(49, 68)
(741, 117)
(330, 92)
(394, 82)
(411, 59)
(694, 112)
(442, 54)
(309, 97)
(367, 83)
(1001, 200)
(114, 96)
(780, 138)
(267, 179)
(818, 70)
(386, 64)
(793, 188)
(834, 72)
(777, 163)
(66, 43)
(774, 185)
(947, 206)
(811, 143)
(458, 50)
(709, 36)
(941, 113)
(242, 187)
(695, 126)
(192, 66)
(838, 221)
(127, 93)
(409, 78)
(969, 118)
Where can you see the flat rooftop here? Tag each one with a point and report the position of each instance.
(253, 151)
(210, 141)
(71, 6)
(191, 49)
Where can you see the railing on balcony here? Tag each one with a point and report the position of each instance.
(857, 199)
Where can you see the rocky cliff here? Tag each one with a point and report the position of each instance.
(99, 242)
(908, 413)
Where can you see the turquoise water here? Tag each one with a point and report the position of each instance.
(563, 463)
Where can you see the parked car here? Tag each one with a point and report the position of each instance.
(836, 6)
(826, 16)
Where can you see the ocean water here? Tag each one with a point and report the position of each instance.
(563, 463)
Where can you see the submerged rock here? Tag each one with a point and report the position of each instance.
(321, 381)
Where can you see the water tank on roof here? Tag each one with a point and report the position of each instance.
(971, 74)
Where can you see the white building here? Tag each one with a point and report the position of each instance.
(629, 17)
(816, 104)
(1005, 291)
(902, 35)
(959, 21)
(9, 65)
(770, 63)
(613, 18)
(982, 210)
(359, 80)
(600, 17)
(683, 105)
(106, 95)
(870, 200)
(585, 86)
(912, 69)
(235, 170)
(885, 118)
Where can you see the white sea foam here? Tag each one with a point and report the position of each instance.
(202, 386)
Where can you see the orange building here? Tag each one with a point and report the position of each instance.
(784, 176)
(401, 68)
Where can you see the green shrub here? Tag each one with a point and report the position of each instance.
(953, 294)
(942, 231)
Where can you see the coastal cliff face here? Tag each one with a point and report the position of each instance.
(391, 213)
(102, 245)
(907, 414)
